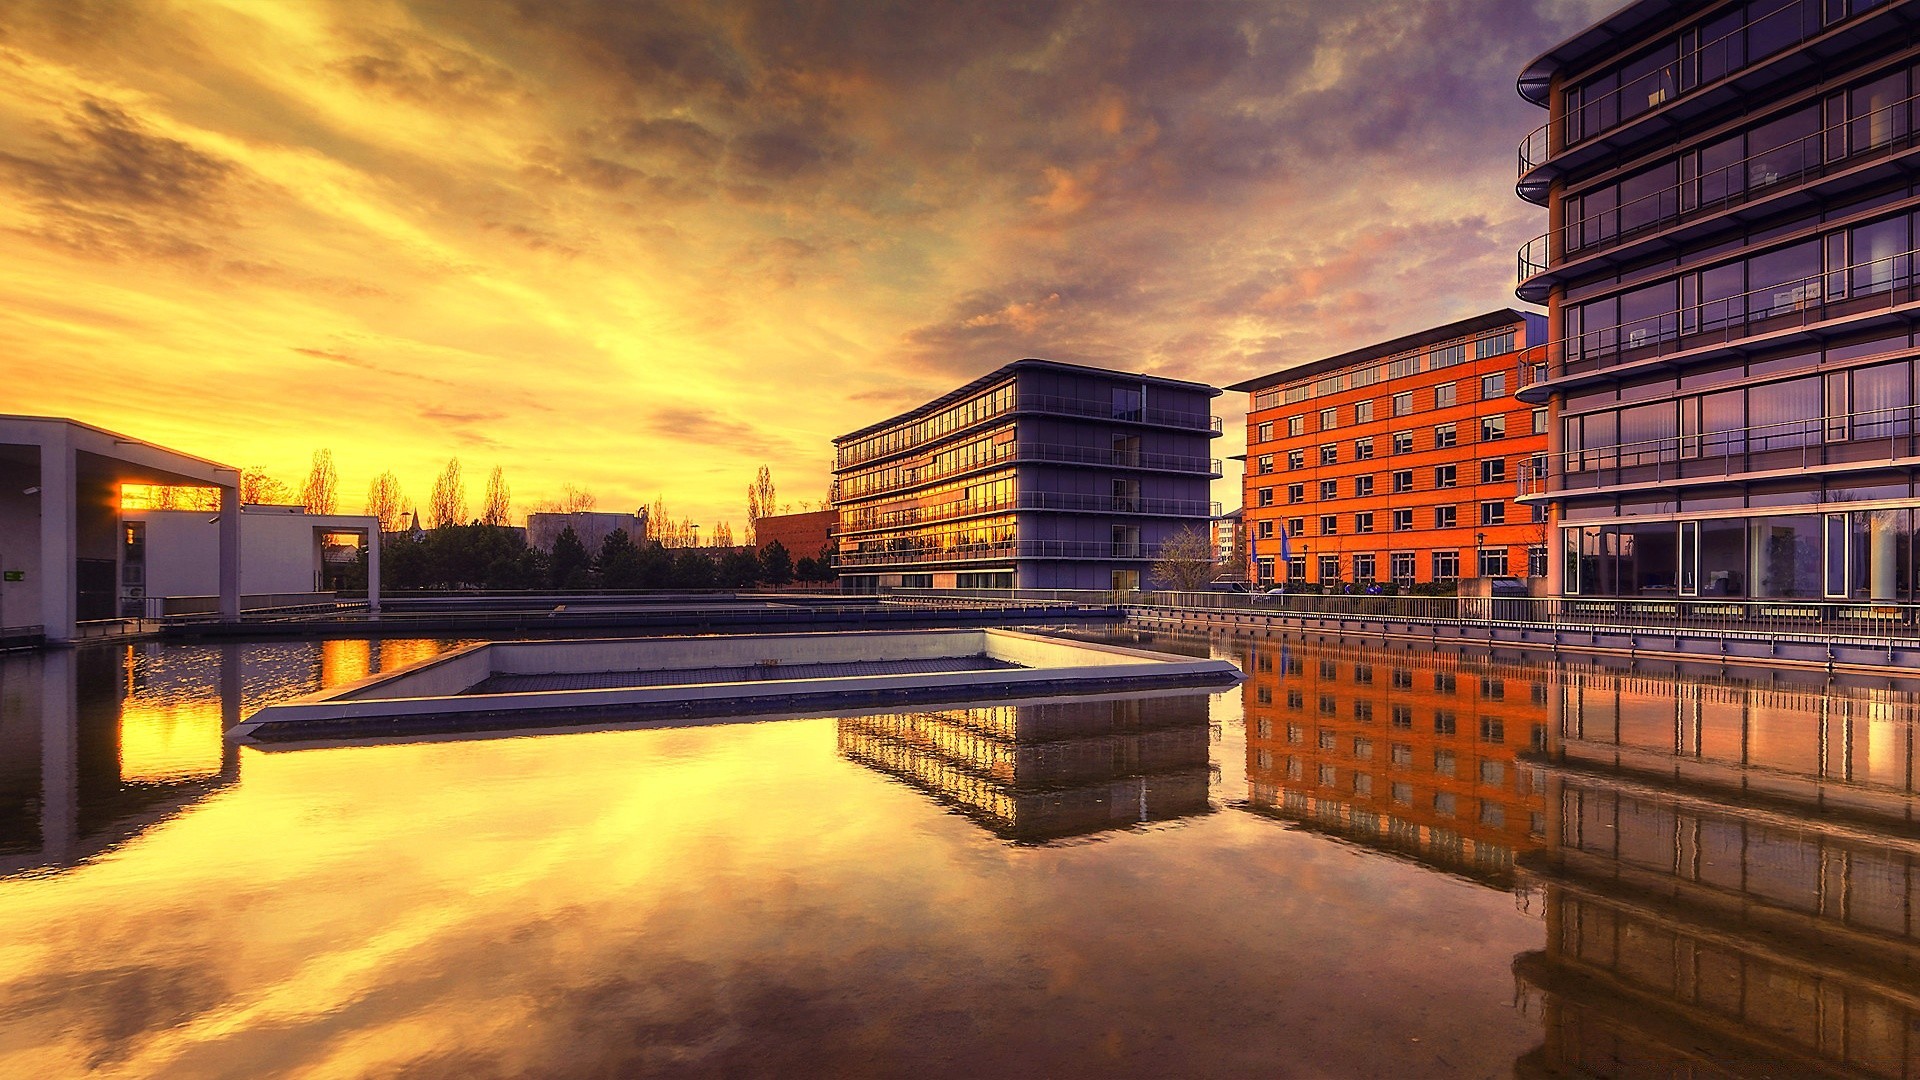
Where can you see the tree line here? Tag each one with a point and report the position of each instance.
(481, 556)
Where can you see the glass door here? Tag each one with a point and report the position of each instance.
(1837, 562)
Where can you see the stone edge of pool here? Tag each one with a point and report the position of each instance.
(429, 696)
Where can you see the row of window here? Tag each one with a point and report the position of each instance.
(991, 492)
(1873, 257)
(1445, 396)
(1492, 562)
(1858, 404)
(1444, 517)
(1437, 357)
(1492, 772)
(1492, 687)
(1700, 54)
(1445, 436)
(994, 446)
(975, 409)
(1492, 471)
(1867, 116)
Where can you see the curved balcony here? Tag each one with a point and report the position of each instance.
(1745, 190)
(1853, 297)
(1649, 108)
(1853, 441)
(1064, 502)
(999, 552)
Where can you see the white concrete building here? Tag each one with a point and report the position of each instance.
(169, 562)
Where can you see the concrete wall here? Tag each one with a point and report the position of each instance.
(20, 540)
(279, 551)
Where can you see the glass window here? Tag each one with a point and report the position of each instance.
(1402, 481)
(1363, 449)
(1329, 489)
(1493, 427)
(1296, 425)
(1444, 436)
(1403, 403)
(1363, 485)
(1296, 493)
(1402, 522)
(1329, 524)
(1493, 386)
(1785, 279)
(1296, 459)
(1879, 256)
(1493, 513)
(1446, 566)
(1329, 419)
(1403, 442)
(1362, 523)
(1493, 471)
(1363, 412)
(1264, 432)
(1445, 517)
(1445, 476)
(1784, 415)
(1330, 454)
(1445, 396)
(1539, 421)
(1882, 401)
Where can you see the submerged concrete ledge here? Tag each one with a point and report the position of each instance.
(448, 693)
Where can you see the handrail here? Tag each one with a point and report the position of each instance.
(1537, 256)
(1799, 295)
(1808, 435)
(1037, 500)
(1009, 453)
(1012, 549)
(1537, 148)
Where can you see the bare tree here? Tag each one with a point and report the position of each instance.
(499, 504)
(723, 534)
(321, 495)
(759, 501)
(1186, 560)
(258, 489)
(449, 503)
(385, 502)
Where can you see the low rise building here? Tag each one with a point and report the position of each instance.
(1037, 475)
(169, 561)
(805, 535)
(1400, 461)
(590, 527)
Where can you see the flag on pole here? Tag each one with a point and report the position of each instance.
(1286, 550)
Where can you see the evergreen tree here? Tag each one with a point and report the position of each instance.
(619, 561)
(739, 569)
(777, 564)
(692, 570)
(568, 566)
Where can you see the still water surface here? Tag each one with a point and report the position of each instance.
(1358, 863)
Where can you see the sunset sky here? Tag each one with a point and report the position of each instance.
(644, 248)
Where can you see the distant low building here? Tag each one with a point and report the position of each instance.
(804, 535)
(592, 528)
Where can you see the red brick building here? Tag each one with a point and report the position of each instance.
(804, 535)
(1400, 461)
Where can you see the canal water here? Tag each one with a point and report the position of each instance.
(1359, 862)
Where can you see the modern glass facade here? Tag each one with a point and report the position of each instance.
(1732, 194)
(1040, 475)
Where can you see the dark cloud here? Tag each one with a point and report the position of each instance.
(689, 143)
(417, 68)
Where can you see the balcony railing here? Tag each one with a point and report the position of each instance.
(1010, 453)
(1038, 500)
(1844, 291)
(1704, 65)
(1012, 549)
(1754, 176)
(1856, 438)
(1087, 407)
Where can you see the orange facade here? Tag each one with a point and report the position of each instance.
(1400, 462)
(1417, 753)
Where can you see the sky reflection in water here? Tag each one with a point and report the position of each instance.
(1356, 863)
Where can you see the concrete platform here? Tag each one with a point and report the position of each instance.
(486, 685)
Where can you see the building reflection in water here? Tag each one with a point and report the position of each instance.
(1415, 753)
(1042, 772)
(1732, 884)
(99, 744)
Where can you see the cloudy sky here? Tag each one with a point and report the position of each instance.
(645, 248)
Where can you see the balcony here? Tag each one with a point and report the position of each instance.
(1745, 190)
(998, 552)
(1040, 500)
(1023, 453)
(1864, 439)
(1715, 73)
(1852, 297)
(1091, 408)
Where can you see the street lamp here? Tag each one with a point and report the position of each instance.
(1479, 554)
(695, 537)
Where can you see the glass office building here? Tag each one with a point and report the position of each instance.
(1039, 475)
(1732, 212)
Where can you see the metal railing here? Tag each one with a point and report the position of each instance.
(1759, 618)
(1820, 440)
(1765, 173)
(905, 555)
(1041, 500)
(1010, 453)
(1724, 57)
(1843, 291)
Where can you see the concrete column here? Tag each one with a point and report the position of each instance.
(1882, 555)
(229, 553)
(59, 538)
(373, 571)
